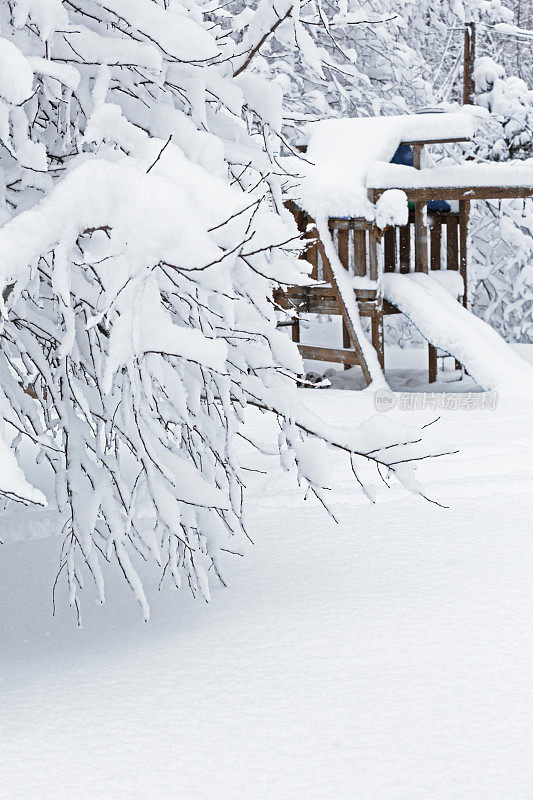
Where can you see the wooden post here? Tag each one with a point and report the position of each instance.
(373, 253)
(344, 257)
(376, 321)
(468, 63)
(464, 214)
(421, 238)
(359, 252)
(421, 234)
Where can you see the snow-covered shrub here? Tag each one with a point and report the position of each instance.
(143, 233)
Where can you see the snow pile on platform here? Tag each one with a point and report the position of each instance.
(383, 175)
(341, 152)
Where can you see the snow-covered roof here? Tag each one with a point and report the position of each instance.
(341, 152)
(383, 175)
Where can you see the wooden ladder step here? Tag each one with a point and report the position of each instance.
(340, 355)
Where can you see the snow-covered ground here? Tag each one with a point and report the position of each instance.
(384, 658)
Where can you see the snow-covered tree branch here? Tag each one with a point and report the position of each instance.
(144, 232)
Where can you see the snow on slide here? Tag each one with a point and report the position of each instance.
(445, 323)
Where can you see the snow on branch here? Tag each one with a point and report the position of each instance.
(142, 235)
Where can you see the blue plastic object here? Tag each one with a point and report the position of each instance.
(404, 156)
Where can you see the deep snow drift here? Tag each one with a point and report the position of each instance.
(383, 658)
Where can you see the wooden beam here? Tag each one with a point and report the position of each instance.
(446, 140)
(348, 224)
(423, 194)
(348, 357)
(302, 148)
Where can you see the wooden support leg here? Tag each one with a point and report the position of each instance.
(358, 353)
(346, 341)
(432, 357)
(377, 337)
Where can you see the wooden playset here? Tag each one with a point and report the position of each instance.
(430, 242)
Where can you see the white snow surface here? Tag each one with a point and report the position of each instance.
(445, 323)
(341, 151)
(383, 658)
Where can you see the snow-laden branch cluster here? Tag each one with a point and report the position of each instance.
(143, 234)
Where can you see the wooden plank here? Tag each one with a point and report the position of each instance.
(347, 357)
(389, 250)
(373, 253)
(308, 300)
(405, 248)
(461, 193)
(359, 251)
(421, 242)
(435, 243)
(452, 242)
(348, 224)
(343, 247)
(464, 214)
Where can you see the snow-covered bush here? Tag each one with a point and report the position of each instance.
(143, 233)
